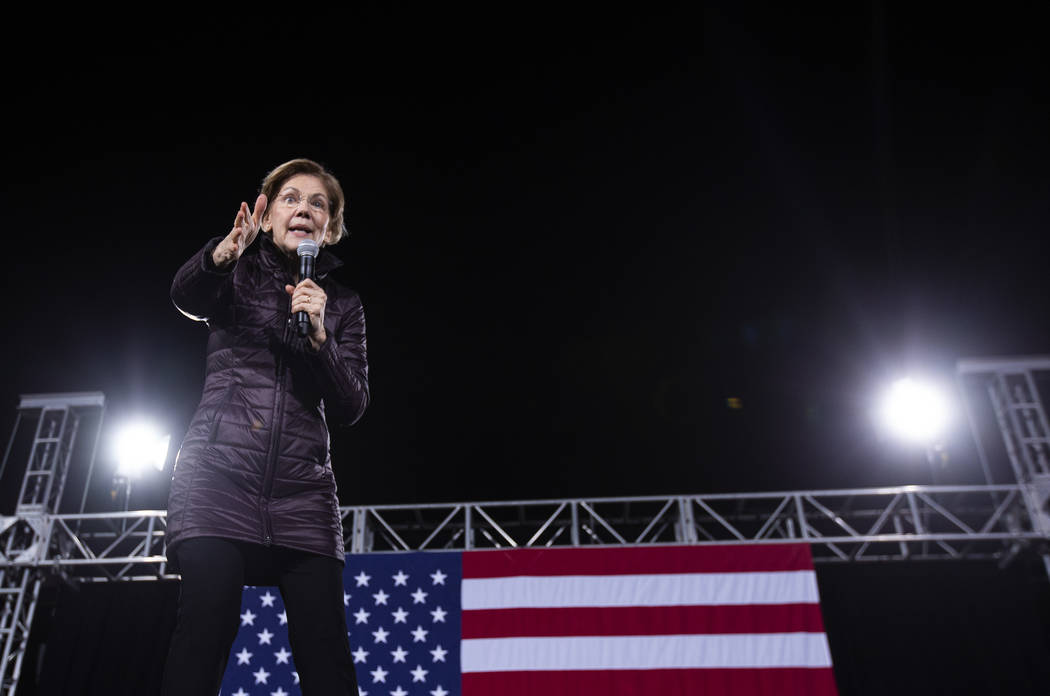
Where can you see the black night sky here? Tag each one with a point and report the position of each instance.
(574, 239)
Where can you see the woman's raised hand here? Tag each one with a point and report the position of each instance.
(245, 228)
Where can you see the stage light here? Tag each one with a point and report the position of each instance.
(139, 447)
(914, 411)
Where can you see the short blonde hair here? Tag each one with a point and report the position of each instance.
(281, 173)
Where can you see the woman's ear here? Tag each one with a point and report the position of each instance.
(264, 224)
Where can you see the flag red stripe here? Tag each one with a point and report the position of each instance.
(634, 560)
(666, 682)
(639, 621)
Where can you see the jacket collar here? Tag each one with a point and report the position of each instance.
(274, 259)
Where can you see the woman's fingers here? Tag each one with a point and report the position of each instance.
(308, 303)
(243, 220)
(248, 222)
(251, 223)
(307, 297)
(307, 286)
(311, 307)
(245, 227)
(260, 208)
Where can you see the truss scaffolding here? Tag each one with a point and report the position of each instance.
(994, 522)
(861, 524)
(54, 437)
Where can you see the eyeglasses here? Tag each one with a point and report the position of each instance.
(292, 199)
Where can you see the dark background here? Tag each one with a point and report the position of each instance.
(576, 235)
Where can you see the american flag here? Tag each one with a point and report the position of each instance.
(613, 621)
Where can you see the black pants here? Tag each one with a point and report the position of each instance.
(214, 573)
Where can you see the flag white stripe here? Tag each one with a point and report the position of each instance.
(646, 652)
(783, 587)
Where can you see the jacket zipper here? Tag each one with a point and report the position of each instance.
(271, 462)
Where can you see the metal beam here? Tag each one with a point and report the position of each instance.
(856, 524)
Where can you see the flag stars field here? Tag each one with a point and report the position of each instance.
(419, 654)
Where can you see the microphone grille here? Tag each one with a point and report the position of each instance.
(308, 247)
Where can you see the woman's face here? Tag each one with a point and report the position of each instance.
(300, 210)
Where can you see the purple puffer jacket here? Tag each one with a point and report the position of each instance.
(254, 464)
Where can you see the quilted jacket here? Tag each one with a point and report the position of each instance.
(254, 464)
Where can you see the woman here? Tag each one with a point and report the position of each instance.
(253, 497)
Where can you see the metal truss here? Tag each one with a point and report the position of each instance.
(91, 547)
(23, 538)
(1011, 386)
(863, 524)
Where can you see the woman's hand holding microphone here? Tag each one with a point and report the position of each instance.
(309, 297)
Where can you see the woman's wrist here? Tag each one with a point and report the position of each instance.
(223, 255)
(316, 342)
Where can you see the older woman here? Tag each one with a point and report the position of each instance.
(253, 497)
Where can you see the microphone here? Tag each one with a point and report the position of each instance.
(307, 253)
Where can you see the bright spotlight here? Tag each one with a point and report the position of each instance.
(914, 411)
(139, 447)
